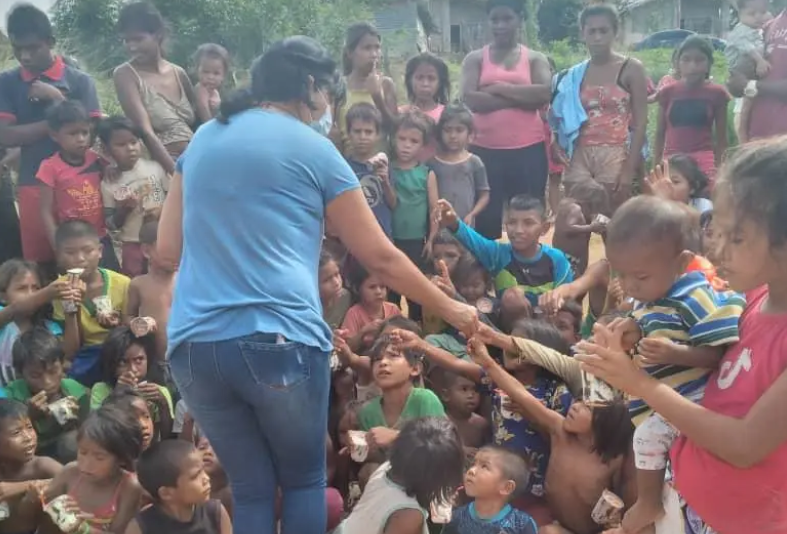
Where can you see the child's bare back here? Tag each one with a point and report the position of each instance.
(150, 295)
(24, 483)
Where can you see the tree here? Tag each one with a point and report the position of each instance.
(558, 20)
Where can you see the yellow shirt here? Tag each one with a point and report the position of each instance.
(116, 288)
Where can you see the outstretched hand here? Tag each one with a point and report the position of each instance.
(445, 216)
(478, 352)
(443, 280)
(605, 358)
(658, 182)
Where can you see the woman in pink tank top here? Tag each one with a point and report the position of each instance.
(505, 84)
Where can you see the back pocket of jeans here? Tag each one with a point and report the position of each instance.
(279, 366)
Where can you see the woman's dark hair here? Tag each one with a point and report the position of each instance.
(600, 10)
(113, 351)
(10, 269)
(517, 6)
(282, 74)
(143, 17)
(352, 38)
(443, 78)
(427, 459)
(688, 168)
(116, 431)
(612, 430)
(701, 45)
(212, 51)
(26, 20)
(37, 346)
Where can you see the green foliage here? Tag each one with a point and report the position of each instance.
(558, 20)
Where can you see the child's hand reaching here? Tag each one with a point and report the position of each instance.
(658, 351)
(658, 182)
(381, 437)
(443, 280)
(605, 358)
(478, 351)
(60, 289)
(445, 216)
(406, 340)
(72, 507)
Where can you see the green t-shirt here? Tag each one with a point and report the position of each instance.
(411, 215)
(47, 428)
(421, 403)
(102, 390)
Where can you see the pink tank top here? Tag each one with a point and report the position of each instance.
(513, 127)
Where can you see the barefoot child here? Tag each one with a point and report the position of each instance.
(132, 192)
(55, 403)
(579, 215)
(99, 485)
(213, 65)
(22, 473)
(493, 482)
(173, 473)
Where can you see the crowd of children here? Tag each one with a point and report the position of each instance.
(504, 432)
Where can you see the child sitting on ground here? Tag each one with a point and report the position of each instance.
(102, 298)
(219, 483)
(461, 398)
(425, 466)
(55, 403)
(493, 482)
(580, 215)
(124, 362)
(685, 326)
(131, 401)
(523, 261)
(173, 473)
(22, 473)
(105, 493)
(132, 191)
(365, 317)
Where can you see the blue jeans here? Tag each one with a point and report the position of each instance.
(264, 407)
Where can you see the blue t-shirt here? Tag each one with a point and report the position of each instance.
(8, 335)
(374, 192)
(509, 520)
(254, 198)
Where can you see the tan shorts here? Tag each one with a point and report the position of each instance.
(599, 163)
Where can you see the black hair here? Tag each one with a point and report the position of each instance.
(384, 341)
(284, 74)
(414, 119)
(12, 268)
(74, 229)
(573, 308)
(612, 430)
(364, 112)
(114, 348)
(352, 39)
(66, 112)
(212, 51)
(648, 219)
(37, 346)
(527, 203)
(356, 276)
(326, 257)
(26, 20)
(600, 10)
(517, 6)
(688, 168)
(427, 459)
(590, 195)
(753, 181)
(116, 431)
(700, 44)
(141, 17)
(443, 379)
(512, 466)
(116, 123)
(706, 219)
(445, 237)
(466, 267)
(541, 332)
(13, 410)
(400, 322)
(456, 111)
(443, 77)
(148, 232)
(162, 465)
(123, 397)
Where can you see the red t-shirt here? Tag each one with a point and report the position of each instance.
(732, 500)
(769, 114)
(691, 113)
(77, 189)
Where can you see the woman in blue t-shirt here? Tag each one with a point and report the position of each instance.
(244, 218)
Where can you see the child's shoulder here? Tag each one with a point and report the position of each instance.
(72, 388)
(117, 279)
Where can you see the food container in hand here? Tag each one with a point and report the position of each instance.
(142, 326)
(57, 509)
(505, 400)
(122, 193)
(359, 447)
(601, 219)
(596, 392)
(73, 276)
(5, 511)
(608, 511)
(63, 410)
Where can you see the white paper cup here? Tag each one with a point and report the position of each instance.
(103, 305)
(440, 512)
(5, 511)
(359, 448)
(63, 411)
(74, 276)
(504, 401)
(64, 519)
(142, 326)
(608, 511)
(596, 392)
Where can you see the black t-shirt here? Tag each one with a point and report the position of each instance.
(206, 520)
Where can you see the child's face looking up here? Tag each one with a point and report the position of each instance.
(372, 291)
(145, 421)
(18, 440)
(449, 254)
(20, 287)
(647, 271)
(80, 253)
(524, 229)
(485, 479)
(211, 72)
(462, 396)
(135, 362)
(391, 369)
(330, 281)
(44, 378)
(125, 149)
(363, 138)
(579, 419)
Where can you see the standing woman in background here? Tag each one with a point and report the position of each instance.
(155, 94)
(505, 84)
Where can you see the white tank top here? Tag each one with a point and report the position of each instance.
(380, 499)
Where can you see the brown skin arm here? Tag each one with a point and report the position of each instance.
(188, 87)
(133, 301)
(388, 103)
(130, 100)
(477, 100)
(624, 483)
(170, 229)
(661, 133)
(530, 97)
(72, 335)
(226, 522)
(720, 127)
(133, 527)
(575, 222)
(22, 135)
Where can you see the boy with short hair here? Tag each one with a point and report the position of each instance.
(55, 402)
(173, 474)
(523, 262)
(133, 193)
(364, 127)
(26, 92)
(70, 180)
(496, 477)
(22, 473)
(104, 294)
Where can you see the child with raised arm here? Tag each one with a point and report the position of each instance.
(22, 473)
(523, 262)
(580, 215)
(133, 191)
(685, 326)
(461, 399)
